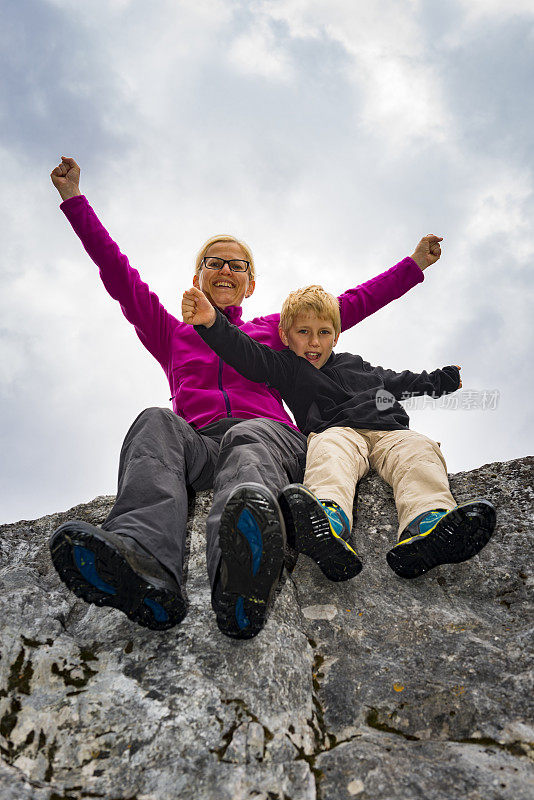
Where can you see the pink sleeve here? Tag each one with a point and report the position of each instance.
(140, 306)
(362, 301)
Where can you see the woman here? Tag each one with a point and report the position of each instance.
(224, 432)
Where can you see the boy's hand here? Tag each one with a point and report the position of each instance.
(427, 251)
(66, 178)
(197, 309)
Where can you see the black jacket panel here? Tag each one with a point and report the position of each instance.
(347, 391)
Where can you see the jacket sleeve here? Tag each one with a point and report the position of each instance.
(253, 360)
(362, 301)
(153, 324)
(411, 384)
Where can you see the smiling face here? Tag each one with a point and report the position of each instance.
(223, 287)
(311, 337)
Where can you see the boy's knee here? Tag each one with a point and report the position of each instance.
(338, 441)
(426, 443)
(423, 453)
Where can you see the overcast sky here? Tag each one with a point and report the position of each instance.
(330, 135)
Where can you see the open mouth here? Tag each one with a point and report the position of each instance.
(224, 285)
(312, 356)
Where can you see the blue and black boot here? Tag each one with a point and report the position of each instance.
(109, 569)
(252, 540)
(319, 529)
(442, 537)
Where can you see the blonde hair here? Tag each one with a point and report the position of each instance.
(225, 238)
(311, 299)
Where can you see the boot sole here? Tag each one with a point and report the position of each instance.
(252, 541)
(97, 572)
(308, 527)
(458, 536)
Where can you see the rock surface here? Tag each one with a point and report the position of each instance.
(375, 688)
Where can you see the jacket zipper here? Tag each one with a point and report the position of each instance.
(226, 398)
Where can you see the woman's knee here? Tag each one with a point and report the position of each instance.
(249, 431)
(163, 420)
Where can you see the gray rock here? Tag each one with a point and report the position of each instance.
(375, 688)
(319, 612)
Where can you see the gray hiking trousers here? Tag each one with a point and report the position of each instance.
(162, 456)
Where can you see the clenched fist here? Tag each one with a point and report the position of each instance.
(66, 178)
(197, 309)
(427, 251)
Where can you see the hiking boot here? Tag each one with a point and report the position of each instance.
(252, 540)
(442, 537)
(109, 569)
(319, 529)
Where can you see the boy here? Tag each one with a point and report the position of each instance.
(349, 411)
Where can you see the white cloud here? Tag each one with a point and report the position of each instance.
(12, 357)
(502, 207)
(258, 52)
(389, 65)
(476, 10)
(402, 102)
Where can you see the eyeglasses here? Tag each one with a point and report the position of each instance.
(236, 264)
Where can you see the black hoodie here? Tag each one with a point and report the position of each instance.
(346, 391)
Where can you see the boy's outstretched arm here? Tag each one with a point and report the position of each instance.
(412, 384)
(358, 303)
(253, 360)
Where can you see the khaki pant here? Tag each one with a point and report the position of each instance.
(411, 463)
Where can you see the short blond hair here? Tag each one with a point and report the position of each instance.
(225, 238)
(310, 299)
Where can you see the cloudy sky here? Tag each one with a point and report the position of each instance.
(331, 135)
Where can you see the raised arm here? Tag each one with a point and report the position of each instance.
(362, 301)
(411, 384)
(253, 360)
(140, 306)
